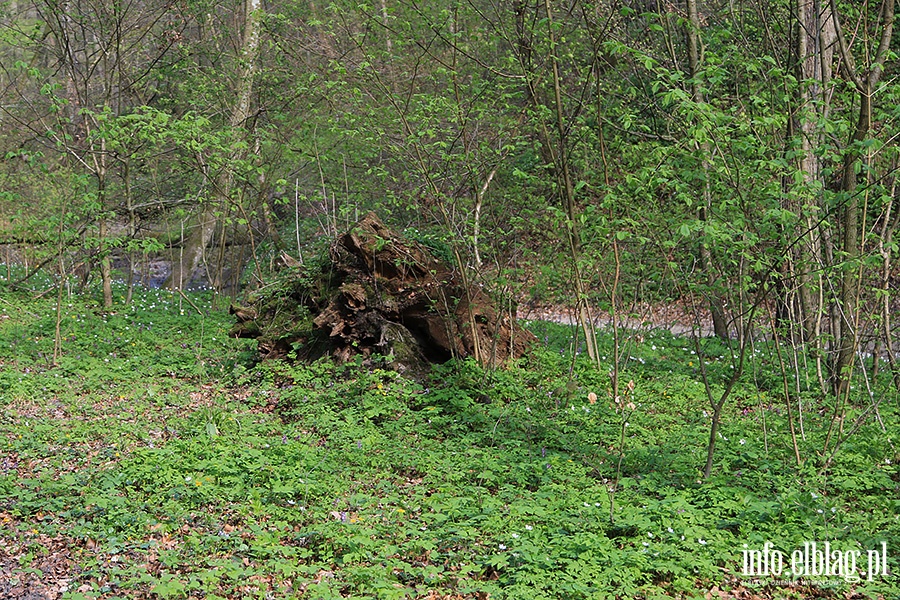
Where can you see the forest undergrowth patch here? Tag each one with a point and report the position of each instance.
(154, 460)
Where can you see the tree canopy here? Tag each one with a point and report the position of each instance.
(738, 158)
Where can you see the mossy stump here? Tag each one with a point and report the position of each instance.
(379, 295)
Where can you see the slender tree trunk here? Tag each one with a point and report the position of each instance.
(865, 84)
(564, 177)
(884, 247)
(479, 203)
(208, 220)
(105, 266)
(716, 302)
(191, 254)
(132, 228)
(849, 314)
(388, 45)
(524, 45)
(814, 47)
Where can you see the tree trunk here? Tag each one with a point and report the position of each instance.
(564, 177)
(207, 220)
(105, 267)
(716, 301)
(815, 40)
(193, 249)
(866, 84)
(884, 248)
(849, 314)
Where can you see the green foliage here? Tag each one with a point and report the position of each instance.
(438, 246)
(146, 442)
(169, 467)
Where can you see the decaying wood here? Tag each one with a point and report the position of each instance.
(383, 294)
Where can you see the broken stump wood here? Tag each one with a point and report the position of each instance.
(381, 294)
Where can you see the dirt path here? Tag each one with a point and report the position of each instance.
(674, 318)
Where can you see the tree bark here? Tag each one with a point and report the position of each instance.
(814, 47)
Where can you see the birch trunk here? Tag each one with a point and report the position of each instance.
(194, 248)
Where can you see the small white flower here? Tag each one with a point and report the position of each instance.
(515, 535)
(649, 534)
(670, 530)
(528, 528)
(701, 541)
(814, 495)
(502, 546)
(742, 442)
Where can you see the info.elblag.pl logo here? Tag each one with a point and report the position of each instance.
(817, 560)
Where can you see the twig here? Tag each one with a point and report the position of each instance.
(189, 301)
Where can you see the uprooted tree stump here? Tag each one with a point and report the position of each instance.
(379, 294)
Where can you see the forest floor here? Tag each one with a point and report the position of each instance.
(151, 458)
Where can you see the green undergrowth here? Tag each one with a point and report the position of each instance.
(153, 459)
